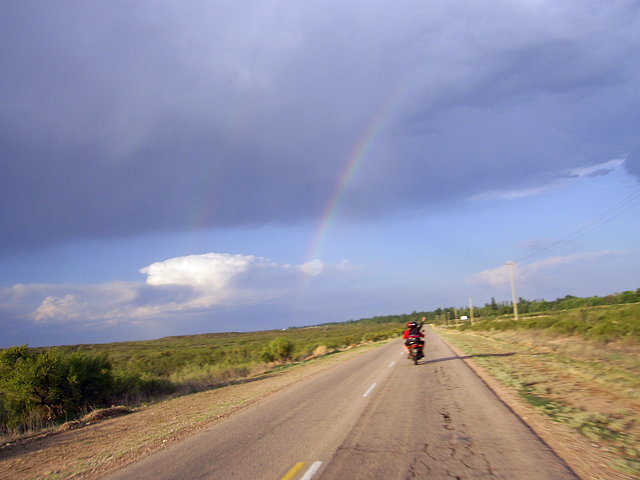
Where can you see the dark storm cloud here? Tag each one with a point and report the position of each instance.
(126, 118)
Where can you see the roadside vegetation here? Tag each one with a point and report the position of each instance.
(43, 387)
(602, 323)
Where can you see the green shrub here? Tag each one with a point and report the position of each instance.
(50, 385)
(278, 350)
(603, 323)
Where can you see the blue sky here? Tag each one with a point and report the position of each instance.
(186, 167)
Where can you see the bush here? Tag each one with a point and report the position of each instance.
(279, 349)
(50, 385)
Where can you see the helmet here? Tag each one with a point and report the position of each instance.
(412, 324)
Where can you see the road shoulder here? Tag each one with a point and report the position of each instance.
(586, 459)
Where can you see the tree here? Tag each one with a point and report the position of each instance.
(279, 349)
(50, 384)
(493, 305)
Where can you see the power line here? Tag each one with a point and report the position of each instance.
(613, 212)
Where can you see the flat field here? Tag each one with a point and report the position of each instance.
(166, 356)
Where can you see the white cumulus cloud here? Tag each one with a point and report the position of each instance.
(312, 267)
(182, 285)
(208, 271)
(52, 307)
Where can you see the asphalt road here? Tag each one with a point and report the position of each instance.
(377, 416)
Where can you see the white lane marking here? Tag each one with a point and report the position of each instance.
(370, 389)
(403, 353)
(312, 470)
(392, 364)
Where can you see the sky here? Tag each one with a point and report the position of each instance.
(173, 168)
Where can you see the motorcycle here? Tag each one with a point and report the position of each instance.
(415, 350)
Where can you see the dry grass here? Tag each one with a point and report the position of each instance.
(319, 351)
(104, 413)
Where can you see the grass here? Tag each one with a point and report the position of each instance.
(165, 356)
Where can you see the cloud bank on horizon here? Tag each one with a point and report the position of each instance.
(190, 284)
(136, 119)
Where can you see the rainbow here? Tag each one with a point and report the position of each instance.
(354, 160)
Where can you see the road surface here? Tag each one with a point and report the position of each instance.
(377, 416)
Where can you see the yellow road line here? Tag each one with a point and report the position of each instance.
(292, 473)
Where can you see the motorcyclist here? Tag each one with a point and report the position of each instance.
(412, 333)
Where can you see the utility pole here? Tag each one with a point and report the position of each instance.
(471, 310)
(511, 265)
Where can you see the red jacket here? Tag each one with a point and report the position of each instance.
(406, 333)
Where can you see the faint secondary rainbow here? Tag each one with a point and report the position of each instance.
(354, 160)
